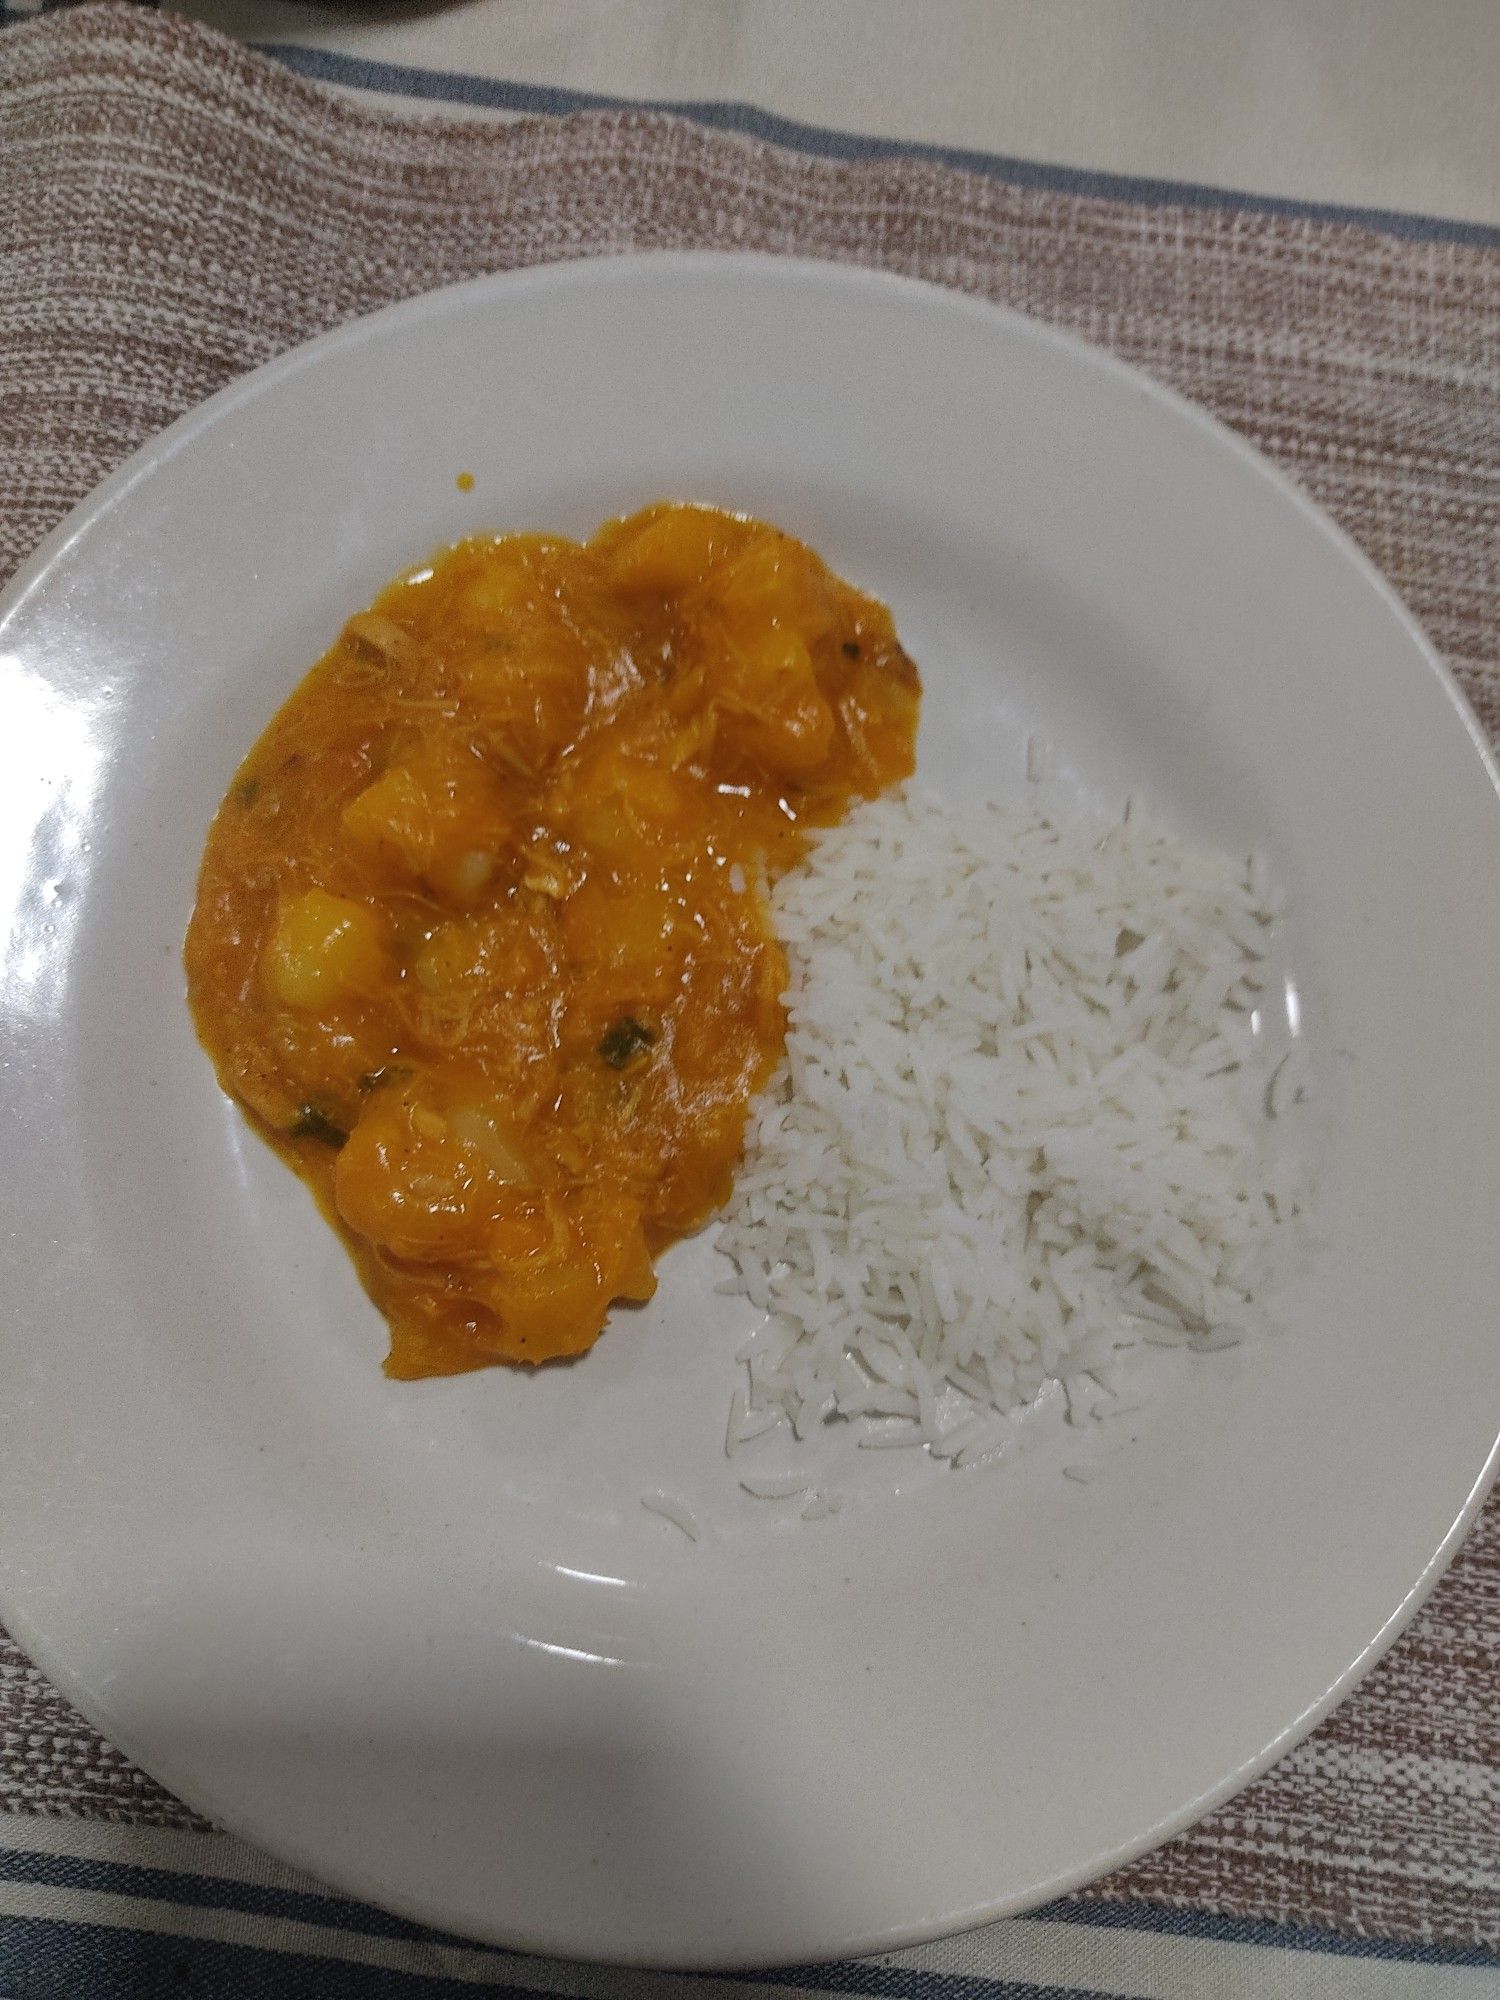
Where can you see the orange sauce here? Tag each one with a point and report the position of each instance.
(481, 941)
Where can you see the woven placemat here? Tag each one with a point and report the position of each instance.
(174, 210)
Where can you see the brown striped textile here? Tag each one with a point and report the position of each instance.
(174, 210)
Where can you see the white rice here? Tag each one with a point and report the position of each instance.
(1020, 1126)
(670, 1508)
(777, 1486)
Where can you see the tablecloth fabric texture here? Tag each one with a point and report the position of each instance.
(175, 210)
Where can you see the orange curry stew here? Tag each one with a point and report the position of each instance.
(482, 939)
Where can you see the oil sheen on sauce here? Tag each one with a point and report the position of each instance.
(482, 943)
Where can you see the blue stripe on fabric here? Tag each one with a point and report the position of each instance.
(42, 1960)
(349, 1919)
(859, 1978)
(337, 1913)
(45, 1960)
(13, 16)
(1164, 1922)
(500, 94)
(218, 1892)
(862, 1980)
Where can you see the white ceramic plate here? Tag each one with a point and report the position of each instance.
(424, 1639)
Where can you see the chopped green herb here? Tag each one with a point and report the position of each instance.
(311, 1123)
(247, 791)
(626, 1039)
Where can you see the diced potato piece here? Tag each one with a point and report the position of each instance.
(498, 581)
(880, 724)
(323, 950)
(657, 802)
(552, 1301)
(436, 818)
(500, 951)
(487, 978)
(409, 1183)
(774, 710)
(621, 807)
(626, 928)
(495, 595)
(775, 582)
(531, 694)
(763, 611)
(485, 1127)
(391, 816)
(599, 824)
(470, 875)
(673, 551)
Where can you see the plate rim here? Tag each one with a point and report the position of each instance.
(31, 578)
